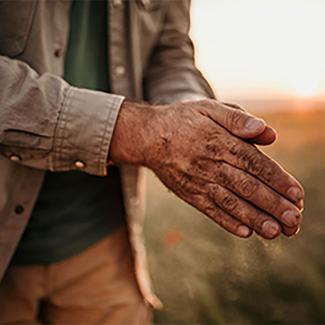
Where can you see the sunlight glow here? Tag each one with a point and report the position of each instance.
(306, 88)
(261, 48)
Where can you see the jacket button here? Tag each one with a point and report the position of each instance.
(79, 164)
(19, 209)
(146, 3)
(14, 157)
(58, 53)
(119, 70)
(117, 3)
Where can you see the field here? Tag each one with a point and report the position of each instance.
(204, 275)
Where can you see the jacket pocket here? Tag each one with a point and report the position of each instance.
(15, 23)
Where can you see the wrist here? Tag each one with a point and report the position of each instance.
(132, 134)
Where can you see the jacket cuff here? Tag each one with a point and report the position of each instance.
(84, 131)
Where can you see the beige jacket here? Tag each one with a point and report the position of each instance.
(45, 124)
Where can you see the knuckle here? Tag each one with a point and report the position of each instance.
(235, 149)
(229, 202)
(208, 102)
(247, 188)
(223, 176)
(275, 204)
(268, 171)
(234, 118)
(256, 220)
(183, 184)
(213, 147)
(253, 163)
(252, 160)
(224, 179)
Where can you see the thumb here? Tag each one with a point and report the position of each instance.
(236, 120)
(266, 138)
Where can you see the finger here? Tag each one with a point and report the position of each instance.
(251, 189)
(267, 137)
(223, 219)
(240, 209)
(250, 159)
(237, 121)
(290, 231)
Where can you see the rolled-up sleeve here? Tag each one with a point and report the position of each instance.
(47, 124)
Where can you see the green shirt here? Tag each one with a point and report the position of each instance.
(75, 209)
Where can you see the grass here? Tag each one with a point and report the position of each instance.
(204, 275)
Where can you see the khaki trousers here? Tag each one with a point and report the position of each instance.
(97, 286)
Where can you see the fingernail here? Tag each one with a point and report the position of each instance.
(271, 229)
(295, 193)
(253, 124)
(297, 231)
(291, 218)
(300, 205)
(243, 231)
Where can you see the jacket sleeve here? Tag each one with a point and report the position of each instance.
(47, 124)
(172, 74)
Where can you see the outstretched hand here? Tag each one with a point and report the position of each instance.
(203, 151)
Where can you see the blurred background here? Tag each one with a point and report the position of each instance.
(269, 56)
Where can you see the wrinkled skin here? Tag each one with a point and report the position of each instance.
(203, 151)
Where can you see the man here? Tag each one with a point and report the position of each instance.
(73, 136)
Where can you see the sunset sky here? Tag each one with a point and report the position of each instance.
(261, 48)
